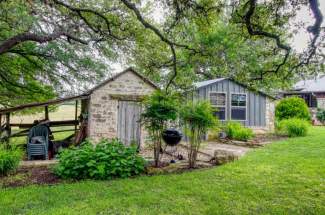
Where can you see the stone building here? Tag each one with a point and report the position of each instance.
(113, 107)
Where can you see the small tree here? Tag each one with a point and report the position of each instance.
(197, 119)
(321, 115)
(292, 107)
(160, 109)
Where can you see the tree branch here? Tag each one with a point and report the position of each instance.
(23, 37)
(248, 22)
(163, 38)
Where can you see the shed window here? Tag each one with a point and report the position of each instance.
(218, 100)
(238, 106)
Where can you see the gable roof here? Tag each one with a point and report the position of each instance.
(213, 81)
(311, 85)
(130, 69)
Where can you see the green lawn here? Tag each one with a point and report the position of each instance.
(287, 177)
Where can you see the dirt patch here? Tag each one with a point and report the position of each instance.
(30, 175)
(266, 138)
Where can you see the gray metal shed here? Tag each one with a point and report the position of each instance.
(236, 102)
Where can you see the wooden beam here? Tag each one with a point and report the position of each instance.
(42, 104)
(25, 133)
(127, 97)
(76, 117)
(46, 112)
(52, 124)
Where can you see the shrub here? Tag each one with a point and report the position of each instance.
(9, 160)
(105, 160)
(293, 127)
(236, 131)
(292, 107)
(197, 118)
(321, 115)
(160, 109)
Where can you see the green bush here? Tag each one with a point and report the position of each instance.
(197, 118)
(160, 109)
(321, 115)
(105, 160)
(293, 127)
(236, 131)
(9, 160)
(292, 107)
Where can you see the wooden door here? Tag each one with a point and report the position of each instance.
(129, 128)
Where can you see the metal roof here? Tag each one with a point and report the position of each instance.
(212, 81)
(208, 82)
(311, 85)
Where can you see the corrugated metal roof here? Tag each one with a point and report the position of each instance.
(312, 85)
(212, 81)
(207, 82)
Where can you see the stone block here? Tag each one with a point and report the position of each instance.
(224, 156)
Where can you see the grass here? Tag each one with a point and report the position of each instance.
(286, 177)
(63, 112)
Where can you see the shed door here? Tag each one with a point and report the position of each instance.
(129, 122)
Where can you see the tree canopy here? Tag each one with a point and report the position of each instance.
(52, 47)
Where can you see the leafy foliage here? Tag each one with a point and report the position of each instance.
(35, 70)
(197, 118)
(320, 115)
(105, 160)
(160, 109)
(9, 160)
(292, 107)
(237, 131)
(64, 46)
(293, 127)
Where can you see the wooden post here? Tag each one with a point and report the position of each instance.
(8, 128)
(76, 116)
(46, 112)
(0, 125)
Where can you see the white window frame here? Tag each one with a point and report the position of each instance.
(217, 106)
(246, 111)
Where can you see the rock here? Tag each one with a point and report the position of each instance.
(224, 156)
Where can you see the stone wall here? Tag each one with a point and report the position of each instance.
(321, 103)
(103, 105)
(270, 114)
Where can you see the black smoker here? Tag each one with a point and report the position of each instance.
(172, 137)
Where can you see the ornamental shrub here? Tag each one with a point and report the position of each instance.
(9, 160)
(105, 160)
(236, 131)
(320, 115)
(292, 107)
(197, 118)
(160, 110)
(293, 127)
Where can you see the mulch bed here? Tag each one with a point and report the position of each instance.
(30, 175)
(43, 175)
(257, 141)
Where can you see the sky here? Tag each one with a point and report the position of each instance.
(301, 38)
